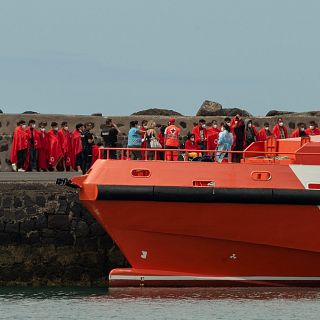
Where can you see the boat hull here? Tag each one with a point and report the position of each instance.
(212, 244)
(130, 277)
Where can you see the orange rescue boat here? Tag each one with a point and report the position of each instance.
(186, 223)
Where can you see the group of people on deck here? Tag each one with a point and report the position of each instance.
(36, 149)
(236, 134)
(59, 149)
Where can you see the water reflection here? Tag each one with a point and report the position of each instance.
(214, 293)
(49, 293)
(161, 293)
(160, 303)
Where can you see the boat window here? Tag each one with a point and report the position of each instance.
(204, 183)
(140, 173)
(261, 175)
(314, 186)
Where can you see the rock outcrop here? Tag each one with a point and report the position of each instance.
(30, 112)
(231, 112)
(307, 114)
(209, 108)
(157, 112)
(273, 113)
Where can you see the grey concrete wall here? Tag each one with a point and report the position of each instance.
(48, 238)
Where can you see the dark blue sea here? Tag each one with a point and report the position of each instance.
(144, 303)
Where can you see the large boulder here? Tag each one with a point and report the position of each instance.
(157, 112)
(209, 108)
(272, 113)
(1, 111)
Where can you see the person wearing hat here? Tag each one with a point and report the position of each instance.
(171, 140)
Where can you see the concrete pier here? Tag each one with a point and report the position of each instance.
(47, 238)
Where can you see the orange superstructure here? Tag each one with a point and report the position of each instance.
(252, 223)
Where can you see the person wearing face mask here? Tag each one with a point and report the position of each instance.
(143, 128)
(250, 132)
(227, 121)
(212, 127)
(19, 147)
(313, 129)
(264, 133)
(64, 136)
(200, 133)
(77, 161)
(300, 131)
(280, 131)
(238, 130)
(171, 140)
(43, 150)
(212, 135)
(225, 142)
(33, 146)
(55, 153)
(191, 145)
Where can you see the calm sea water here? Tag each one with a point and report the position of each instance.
(144, 303)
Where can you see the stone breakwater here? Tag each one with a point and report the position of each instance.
(8, 124)
(47, 238)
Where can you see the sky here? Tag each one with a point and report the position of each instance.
(121, 56)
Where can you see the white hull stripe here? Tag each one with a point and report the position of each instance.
(306, 174)
(195, 278)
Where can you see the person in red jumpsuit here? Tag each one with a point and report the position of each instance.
(300, 131)
(44, 147)
(65, 142)
(264, 133)
(313, 129)
(54, 151)
(280, 131)
(19, 147)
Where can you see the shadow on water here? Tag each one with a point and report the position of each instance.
(160, 293)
